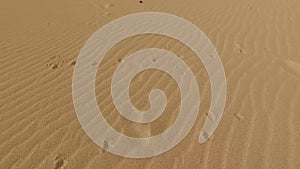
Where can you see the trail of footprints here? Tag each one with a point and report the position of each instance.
(56, 61)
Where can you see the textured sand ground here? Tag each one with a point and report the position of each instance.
(258, 42)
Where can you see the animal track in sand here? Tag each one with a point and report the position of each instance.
(239, 49)
(59, 162)
(73, 63)
(239, 117)
(56, 61)
(120, 60)
(53, 62)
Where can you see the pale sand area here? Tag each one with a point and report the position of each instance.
(258, 43)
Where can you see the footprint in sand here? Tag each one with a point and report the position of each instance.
(73, 63)
(56, 61)
(60, 162)
(238, 49)
(239, 117)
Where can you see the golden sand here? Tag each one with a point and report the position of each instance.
(258, 43)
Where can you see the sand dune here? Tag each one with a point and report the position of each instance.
(256, 40)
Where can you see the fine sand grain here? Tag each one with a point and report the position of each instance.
(258, 43)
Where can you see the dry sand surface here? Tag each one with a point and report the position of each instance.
(258, 42)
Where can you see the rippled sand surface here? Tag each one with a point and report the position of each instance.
(258, 43)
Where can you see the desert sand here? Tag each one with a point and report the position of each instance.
(258, 43)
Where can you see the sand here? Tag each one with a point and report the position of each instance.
(258, 43)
